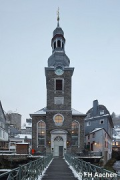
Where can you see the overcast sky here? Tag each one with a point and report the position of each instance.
(92, 32)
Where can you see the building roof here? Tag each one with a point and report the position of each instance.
(95, 130)
(91, 116)
(116, 137)
(29, 125)
(23, 136)
(75, 112)
(43, 112)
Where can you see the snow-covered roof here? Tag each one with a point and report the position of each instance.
(28, 124)
(23, 127)
(43, 112)
(116, 137)
(75, 112)
(29, 136)
(96, 129)
(93, 117)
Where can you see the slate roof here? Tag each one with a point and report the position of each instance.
(43, 112)
(95, 130)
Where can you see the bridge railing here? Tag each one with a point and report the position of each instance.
(29, 171)
(88, 171)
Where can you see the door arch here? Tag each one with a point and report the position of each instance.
(58, 142)
(58, 146)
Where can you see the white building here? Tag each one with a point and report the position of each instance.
(20, 138)
(99, 141)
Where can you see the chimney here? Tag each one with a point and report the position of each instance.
(95, 107)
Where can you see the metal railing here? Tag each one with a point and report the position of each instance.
(88, 171)
(29, 171)
(89, 153)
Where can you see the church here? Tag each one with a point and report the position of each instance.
(58, 128)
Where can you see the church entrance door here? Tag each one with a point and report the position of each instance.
(58, 146)
(58, 142)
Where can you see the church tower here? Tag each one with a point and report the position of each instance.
(58, 127)
(59, 84)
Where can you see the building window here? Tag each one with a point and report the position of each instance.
(88, 136)
(41, 133)
(88, 115)
(59, 84)
(88, 123)
(93, 135)
(113, 143)
(62, 45)
(58, 43)
(58, 119)
(102, 121)
(58, 100)
(54, 45)
(75, 133)
(101, 112)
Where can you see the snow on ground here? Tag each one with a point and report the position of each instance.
(40, 177)
(79, 176)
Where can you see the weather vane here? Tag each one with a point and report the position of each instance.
(58, 18)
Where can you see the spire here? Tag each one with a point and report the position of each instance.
(58, 18)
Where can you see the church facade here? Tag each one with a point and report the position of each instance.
(58, 127)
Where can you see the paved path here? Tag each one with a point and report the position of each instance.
(58, 170)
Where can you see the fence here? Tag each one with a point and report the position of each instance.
(88, 171)
(29, 171)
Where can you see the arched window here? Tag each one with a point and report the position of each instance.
(58, 43)
(41, 133)
(54, 44)
(75, 133)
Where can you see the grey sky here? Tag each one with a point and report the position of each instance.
(92, 32)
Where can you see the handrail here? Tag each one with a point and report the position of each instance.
(29, 171)
(86, 170)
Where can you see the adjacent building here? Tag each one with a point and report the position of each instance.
(99, 130)
(99, 142)
(27, 128)
(58, 127)
(14, 119)
(116, 138)
(3, 130)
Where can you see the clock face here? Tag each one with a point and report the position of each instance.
(59, 71)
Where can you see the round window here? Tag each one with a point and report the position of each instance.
(58, 119)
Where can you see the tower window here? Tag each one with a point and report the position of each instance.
(62, 45)
(58, 43)
(54, 45)
(59, 84)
